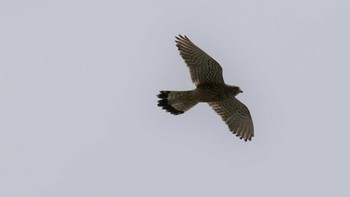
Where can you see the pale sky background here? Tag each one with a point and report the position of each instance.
(78, 106)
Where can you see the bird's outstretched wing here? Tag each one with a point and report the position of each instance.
(237, 117)
(203, 68)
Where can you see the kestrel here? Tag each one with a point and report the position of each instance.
(206, 74)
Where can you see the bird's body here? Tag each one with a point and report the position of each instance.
(206, 74)
(212, 93)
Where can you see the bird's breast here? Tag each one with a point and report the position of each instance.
(211, 93)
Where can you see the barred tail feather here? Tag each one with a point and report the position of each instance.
(176, 102)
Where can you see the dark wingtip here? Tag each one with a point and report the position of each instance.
(180, 37)
(164, 104)
(249, 138)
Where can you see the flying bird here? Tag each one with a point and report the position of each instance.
(206, 74)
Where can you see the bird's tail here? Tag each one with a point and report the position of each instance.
(177, 102)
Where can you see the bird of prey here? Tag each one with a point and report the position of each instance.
(206, 74)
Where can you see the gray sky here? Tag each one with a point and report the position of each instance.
(79, 79)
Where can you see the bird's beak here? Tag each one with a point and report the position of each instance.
(240, 90)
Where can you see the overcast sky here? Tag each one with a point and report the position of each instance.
(78, 106)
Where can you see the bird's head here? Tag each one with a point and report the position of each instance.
(235, 90)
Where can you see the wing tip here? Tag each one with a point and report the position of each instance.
(246, 136)
(181, 38)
